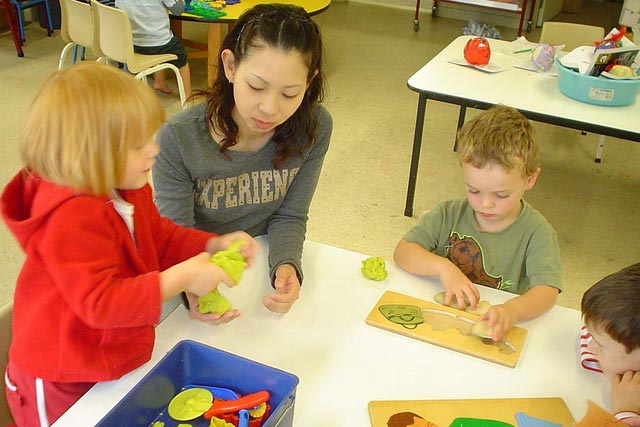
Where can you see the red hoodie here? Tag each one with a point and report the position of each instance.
(88, 297)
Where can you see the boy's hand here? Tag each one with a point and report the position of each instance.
(248, 250)
(500, 319)
(287, 290)
(458, 286)
(625, 392)
(213, 318)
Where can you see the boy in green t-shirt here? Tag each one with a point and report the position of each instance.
(492, 237)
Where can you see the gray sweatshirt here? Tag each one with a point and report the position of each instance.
(197, 186)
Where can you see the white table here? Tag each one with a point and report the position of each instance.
(535, 95)
(342, 363)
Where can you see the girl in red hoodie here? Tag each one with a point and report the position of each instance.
(100, 260)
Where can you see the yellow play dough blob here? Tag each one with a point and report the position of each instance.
(373, 268)
(214, 302)
(231, 261)
(190, 404)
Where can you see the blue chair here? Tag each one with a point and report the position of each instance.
(21, 5)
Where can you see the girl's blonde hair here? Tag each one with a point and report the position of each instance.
(83, 121)
(500, 135)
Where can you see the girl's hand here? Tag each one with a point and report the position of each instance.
(458, 286)
(213, 318)
(500, 319)
(204, 275)
(248, 250)
(287, 290)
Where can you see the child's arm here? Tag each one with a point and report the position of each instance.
(415, 259)
(625, 397)
(197, 275)
(598, 417)
(176, 7)
(533, 303)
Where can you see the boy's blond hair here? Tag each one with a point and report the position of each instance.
(500, 135)
(83, 121)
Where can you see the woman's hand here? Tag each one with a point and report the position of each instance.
(287, 290)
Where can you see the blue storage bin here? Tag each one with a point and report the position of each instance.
(596, 90)
(191, 364)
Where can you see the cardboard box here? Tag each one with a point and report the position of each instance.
(191, 363)
(571, 6)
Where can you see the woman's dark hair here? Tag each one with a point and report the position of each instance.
(288, 28)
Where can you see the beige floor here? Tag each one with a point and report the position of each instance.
(370, 53)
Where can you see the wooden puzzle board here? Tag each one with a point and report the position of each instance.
(443, 412)
(449, 338)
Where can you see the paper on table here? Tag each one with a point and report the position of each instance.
(498, 62)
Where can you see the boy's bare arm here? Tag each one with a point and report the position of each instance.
(415, 259)
(531, 304)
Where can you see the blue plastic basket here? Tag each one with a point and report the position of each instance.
(191, 364)
(596, 90)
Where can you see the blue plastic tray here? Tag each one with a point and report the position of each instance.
(191, 364)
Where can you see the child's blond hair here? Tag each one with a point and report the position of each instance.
(83, 121)
(500, 135)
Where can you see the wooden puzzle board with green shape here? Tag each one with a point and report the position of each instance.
(443, 412)
(407, 307)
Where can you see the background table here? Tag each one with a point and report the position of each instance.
(216, 30)
(343, 363)
(535, 95)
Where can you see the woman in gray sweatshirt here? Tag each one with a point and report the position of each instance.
(249, 157)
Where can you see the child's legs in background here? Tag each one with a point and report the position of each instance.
(185, 72)
(36, 402)
(160, 82)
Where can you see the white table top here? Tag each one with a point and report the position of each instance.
(342, 363)
(528, 91)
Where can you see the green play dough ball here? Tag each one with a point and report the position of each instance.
(233, 263)
(213, 302)
(373, 268)
(190, 404)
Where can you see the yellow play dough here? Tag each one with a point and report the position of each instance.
(231, 261)
(373, 268)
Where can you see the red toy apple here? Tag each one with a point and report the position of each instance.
(477, 51)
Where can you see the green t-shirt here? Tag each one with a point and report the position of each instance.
(524, 254)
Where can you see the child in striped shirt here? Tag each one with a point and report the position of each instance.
(610, 344)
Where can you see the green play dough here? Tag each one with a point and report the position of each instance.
(373, 268)
(190, 404)
(233, 263)
(477, 422)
